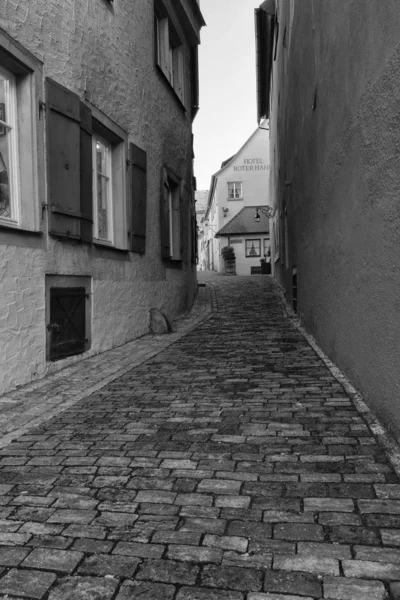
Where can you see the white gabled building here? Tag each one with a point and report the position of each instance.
(242, 182)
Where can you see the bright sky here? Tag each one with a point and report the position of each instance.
(228, 114)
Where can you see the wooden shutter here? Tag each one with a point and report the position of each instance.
(164, 215)
(86, 175)
(69, 163)
(138, 163)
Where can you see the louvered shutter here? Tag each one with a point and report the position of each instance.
(138, 164)
(69, 163)
(164, 215)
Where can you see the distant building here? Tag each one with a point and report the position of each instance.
(250, 240)
(97, 214)
(201, 197)
(240, 186)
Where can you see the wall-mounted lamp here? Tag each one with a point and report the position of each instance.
(225, 210)
(267, 211)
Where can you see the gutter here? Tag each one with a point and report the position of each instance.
(264, 17)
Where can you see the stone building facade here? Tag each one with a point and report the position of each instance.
(97, 216)
(328, 79)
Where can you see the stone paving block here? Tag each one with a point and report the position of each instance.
(308, 564)
(76, 531)
(368, 569)
(139, 550)
(115, 519)
(202, 512)
(194, 499)
(232, 501)
(390, 537)
(156, 497)
(343, 588)
(178, 464)
(168, 571)
(332, 518)
(105, 564)
(14, 539)
(387, 491)
(226, 542)
(347, 534)
(233, 514)
(219, 486)
(328, 504)
(29, 583)
(194, 554)
(91, 546)
(377, 553)
(142, 590)
(298, 531)
(72, 516)
(253, 531)
(257, 596)
(395, 590)
(177, 537)
(11, 556)
(234, 578)
(204, 525)
(191, 593)
(339, 551)
(284, 582)
(84, 588)
(53, 559)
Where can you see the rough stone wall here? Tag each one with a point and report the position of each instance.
(104, 52)
(335, 135)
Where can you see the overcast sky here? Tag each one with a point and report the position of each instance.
(227, 115)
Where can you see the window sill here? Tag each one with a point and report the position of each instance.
(235, 199)
(107, 246)
(173, 263)
(15, 228)
(170, 87)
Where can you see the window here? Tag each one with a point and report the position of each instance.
(253, 248)
(20, 76)
(102, 190)
(267, 247)
(9, 168)
(169, 51)
(88, 179)
(171, 217)
(235, 190)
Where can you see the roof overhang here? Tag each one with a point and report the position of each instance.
(264, 31)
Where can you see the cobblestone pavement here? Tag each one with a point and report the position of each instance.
(230, 465)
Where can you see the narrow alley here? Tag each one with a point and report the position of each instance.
(227, 465)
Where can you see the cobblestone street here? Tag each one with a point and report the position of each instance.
(229, 464)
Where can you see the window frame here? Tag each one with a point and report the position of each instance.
(29, 171)
(10, 126)
(251, 241)
(234, 187)
(169, 51)
(171, 217)
(96, 138)
(111, 133)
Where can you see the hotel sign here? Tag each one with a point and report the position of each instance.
(252, 164)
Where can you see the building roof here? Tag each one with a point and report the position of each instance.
(244, 222)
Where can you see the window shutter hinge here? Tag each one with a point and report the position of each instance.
(42, 107)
